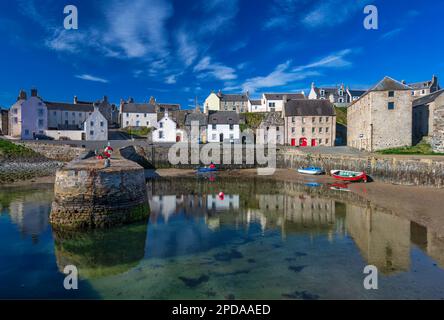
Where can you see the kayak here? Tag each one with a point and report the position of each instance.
(351, 176)
(205, 170)
(311, 170)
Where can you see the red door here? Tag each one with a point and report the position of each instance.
(293, 142)
(177, 138)
(313, 142)
(303, 142)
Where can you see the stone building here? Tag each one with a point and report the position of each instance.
(28, 117)
(68, 116)
(438, 127)
(226, 102)
(202, 121)
(424, 115)
(4, 121)
(134, 114)
(381, 118)
(309, 123)
(425, 87)
(271, 129)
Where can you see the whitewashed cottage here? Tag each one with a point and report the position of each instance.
(96, 126)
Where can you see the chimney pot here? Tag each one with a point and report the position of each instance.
(33, 92)
(75, 100)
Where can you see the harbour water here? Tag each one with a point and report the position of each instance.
(261, 240)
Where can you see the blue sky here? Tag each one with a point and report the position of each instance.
(177, 50)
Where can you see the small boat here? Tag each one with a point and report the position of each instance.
(313, 185)
(311, 170)
(206, 169)
(351, 176)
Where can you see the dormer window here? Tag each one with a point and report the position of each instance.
(322, 93)
(341, 93)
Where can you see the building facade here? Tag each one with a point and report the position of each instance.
(381, 118)
(309, 123)
(28, 116)
(199, 120)
(273, 102)
(425, 87)
(423, 115)
(271, 129)
(226, 102)
(340, 96)
(96, 126)
(166, 130)
(68, 116)
(137, 114)
(223, 126)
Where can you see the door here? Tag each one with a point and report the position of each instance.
(221, 137)
(313, 142)
(178, 138)
(293, 142)
(303, 142)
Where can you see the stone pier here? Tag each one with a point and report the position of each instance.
(87, 195)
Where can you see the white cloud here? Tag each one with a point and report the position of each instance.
(334, 60)
(89, 77)
(220, 12)
(391, 34)
(187, 49)
(214, 69)
(171, 79)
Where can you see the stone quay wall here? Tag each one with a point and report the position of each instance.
(57, 152)
(403, 170)
(87, 195)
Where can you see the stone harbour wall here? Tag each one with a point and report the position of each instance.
(87, 195)
(58, 152)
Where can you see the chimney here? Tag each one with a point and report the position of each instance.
(152, 101)
(105, 99)
(76, 100)
(96, 106)
(130, 100)
(22, 95)
(248, 93)
(33, 92)
(284, 103)
(312, 85)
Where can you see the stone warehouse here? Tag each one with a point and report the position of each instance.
(309, 123)
(424, 117)
(382, 117)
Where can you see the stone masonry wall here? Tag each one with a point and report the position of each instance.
(56, 152)
(438, 129)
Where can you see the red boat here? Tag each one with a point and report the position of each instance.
(351, 176)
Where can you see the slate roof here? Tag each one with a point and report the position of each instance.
(177, 116)
(131, 107)
(74, 107)
(280, 96)
(421, 85)
(169, 106)
(309, 108)
(427, 99)
(200, 117)
(223, 117)
(232, 97)
(256, 102)
(357, 93)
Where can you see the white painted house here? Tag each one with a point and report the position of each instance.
(223, 126)
(96, 126)
(273, 102)
(28, 116)
(256, 106)
(166, 130)
(137, 114)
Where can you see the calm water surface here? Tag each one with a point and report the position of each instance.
(263, 240)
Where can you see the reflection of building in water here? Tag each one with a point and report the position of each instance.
(30, 213)
(166, 206)
(428, 241)
(383, 239)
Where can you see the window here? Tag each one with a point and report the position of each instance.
(73, 114)
(312, 130)
(320, 130)
(137, 116)
(144, 115)
(147, 123)
(80, 114)
(41, 112)
(160, 134)
(278, 137)
(303, 130)
(161, 124)
(341, 93)
(101, 123)
(91, 132)
(293, 119)
(326, 130)
(326, 141)
(73, 122)
(66, 114)
(40, 123)
(313, 119)
(293, 130)
(341, 100)
(92, 123)
(272, 104)
(26, 132)
(326, 119)
(14, 111)
(15, 120)
(391, 94)
(213, 126)
(127, 123)
(391, 105)
(423, 91)
(277, 128)
(127, 114)
(214, 137)
(320, 119)
(303, 120)
(231, 126)
(320, 141)
(322, 92)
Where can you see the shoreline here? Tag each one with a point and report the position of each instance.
(422, 205)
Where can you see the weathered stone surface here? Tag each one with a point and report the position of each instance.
(438, 130)
(56, 152)
(87, 195)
